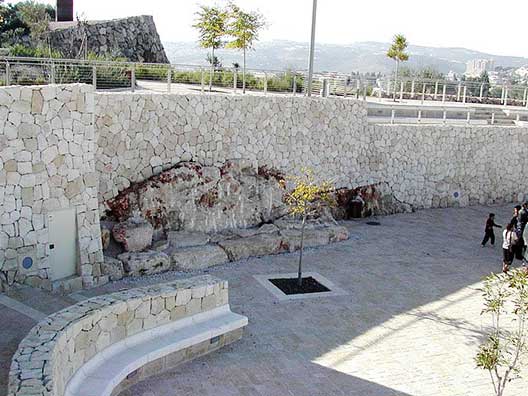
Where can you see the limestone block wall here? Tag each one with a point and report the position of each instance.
(142, 134)
(47, 163)
(53, 351)
(424, 166)
(431, 166)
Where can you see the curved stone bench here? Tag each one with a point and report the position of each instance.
(101, 346)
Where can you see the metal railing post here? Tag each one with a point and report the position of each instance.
(464, 96)
(169, 80)
(294, 85)
(444, 90)
(235, 76)
(524, 96)
(364, 93)
(481, 92)
(8, 73)
(133, 78)
(436, 90)
(502, 94)
(401, 91)
(94, 76)
(412, 89)
(459, 91)
(506, 97)
(52, 73)
(423, 92)
(265, 83)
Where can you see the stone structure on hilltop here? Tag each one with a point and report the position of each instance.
(134, 38)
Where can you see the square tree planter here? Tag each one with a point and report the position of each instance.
(283, 286)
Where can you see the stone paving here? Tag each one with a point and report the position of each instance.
(409, 325)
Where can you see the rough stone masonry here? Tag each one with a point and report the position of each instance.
(67, 147)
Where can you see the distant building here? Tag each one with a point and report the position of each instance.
(452, 76)
(522, 72)
(475, 67)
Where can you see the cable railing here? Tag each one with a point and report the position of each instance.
(184, 78)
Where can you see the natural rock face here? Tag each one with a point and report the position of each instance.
(197, 258)
(191, 197)
(182, 239)
(134, 38)
(135, 234)
(145, 263)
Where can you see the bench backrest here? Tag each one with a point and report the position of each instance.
(52, 352)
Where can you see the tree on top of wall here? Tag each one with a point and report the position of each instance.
(211, 25)
(397, 53)
(244, 28)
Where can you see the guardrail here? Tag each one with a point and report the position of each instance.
(158, 77)
(445, 114)
(193, 78)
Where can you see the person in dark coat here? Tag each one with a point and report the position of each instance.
(489, 234)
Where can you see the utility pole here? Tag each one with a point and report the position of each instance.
(312, 50)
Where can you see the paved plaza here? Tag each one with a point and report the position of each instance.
(409, 325)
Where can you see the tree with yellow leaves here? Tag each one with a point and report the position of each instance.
(305, 200)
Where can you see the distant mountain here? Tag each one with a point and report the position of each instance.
(362, 57)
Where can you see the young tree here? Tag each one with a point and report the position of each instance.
(36, 17)
(244, 28)
(305, 200)
(502, 354)
(211, 25)
(397, 53)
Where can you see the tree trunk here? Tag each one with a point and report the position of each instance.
(396, 78)
(211, 72)
(299, 278)
(244, 73)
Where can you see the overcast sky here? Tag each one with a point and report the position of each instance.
(498, 27)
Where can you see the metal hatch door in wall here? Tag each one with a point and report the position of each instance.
(62, 246)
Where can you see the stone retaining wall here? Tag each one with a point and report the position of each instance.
(47, 163)
(135, 39)
(58, 346)
(65, 147)
(424, 166)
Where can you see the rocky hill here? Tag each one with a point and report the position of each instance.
(363, 56)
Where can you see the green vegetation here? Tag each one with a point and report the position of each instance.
(23, 20)
(244, 29)
(229, 27)
(398, 54)
(503, 352)
(211, 25)
(306, 200)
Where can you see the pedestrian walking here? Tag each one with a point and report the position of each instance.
(489, 234)
(509, 240)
